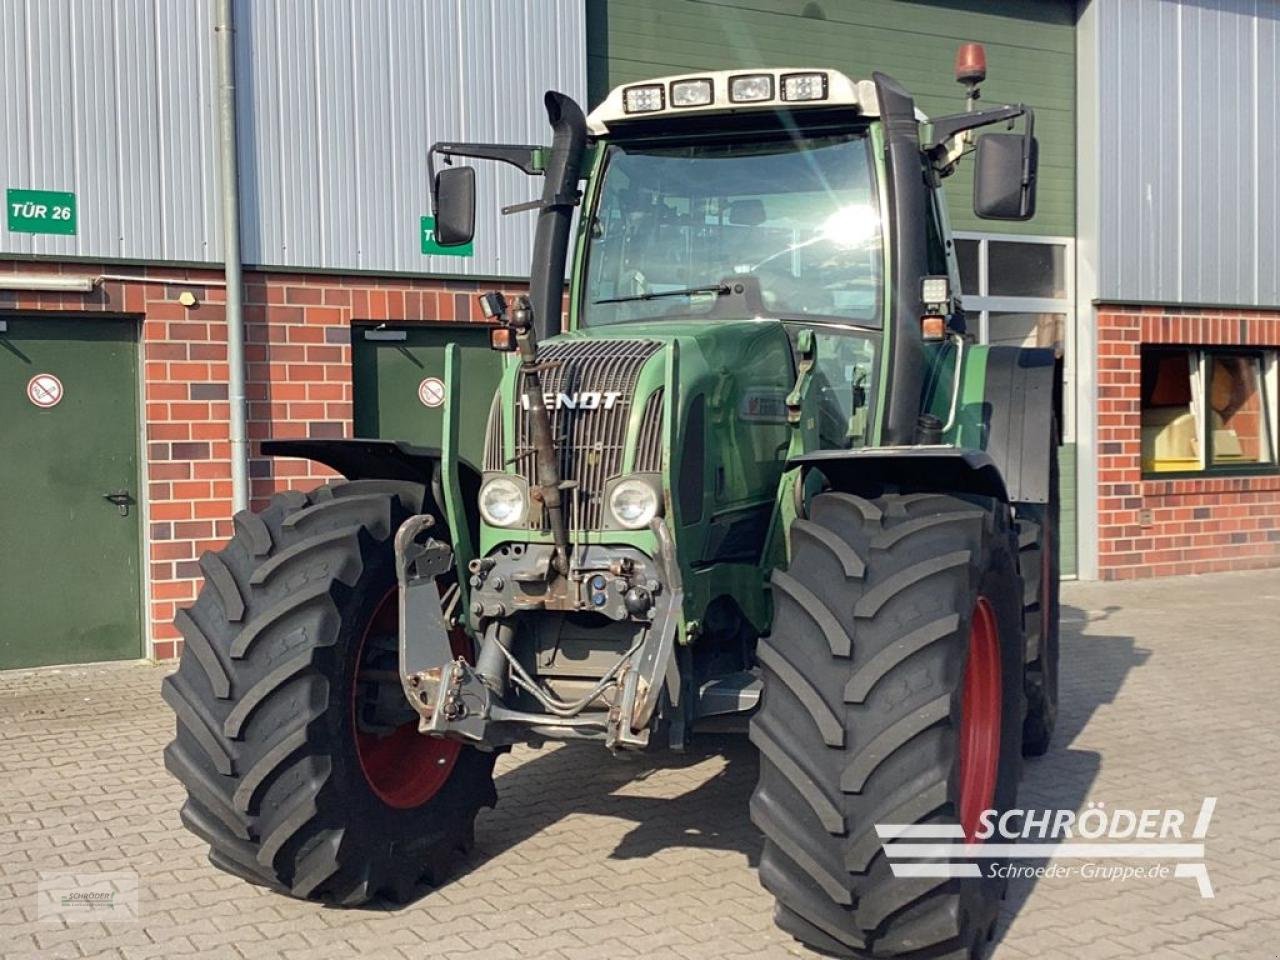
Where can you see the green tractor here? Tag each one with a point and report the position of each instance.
(762, 477)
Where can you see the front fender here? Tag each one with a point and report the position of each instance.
(366, 459)
(362, 459)
(940, 468)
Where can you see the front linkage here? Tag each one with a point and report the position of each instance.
(453, 698)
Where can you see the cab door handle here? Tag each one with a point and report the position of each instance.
(121, 498)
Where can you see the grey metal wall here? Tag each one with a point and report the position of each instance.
(112, 100)
(1188, 135)
(339, 101)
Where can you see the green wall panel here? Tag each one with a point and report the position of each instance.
(1030, 57)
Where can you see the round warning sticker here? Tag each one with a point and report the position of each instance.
(44, 390)
(431, 392)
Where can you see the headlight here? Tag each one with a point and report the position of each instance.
(804, 86)
(751, 88)
(502, 502)
(643, 99)
(633, 504)
(691, 93)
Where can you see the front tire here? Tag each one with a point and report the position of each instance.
(288, 778)
(893, 694)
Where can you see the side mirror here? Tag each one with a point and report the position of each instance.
(454, 201)
(1004, 176)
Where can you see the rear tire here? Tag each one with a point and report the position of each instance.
(1038, 558)
(266, 700)
(863, 717)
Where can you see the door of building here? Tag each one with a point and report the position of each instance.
(398, 383)
(70, 588)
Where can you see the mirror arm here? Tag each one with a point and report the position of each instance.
(946, 128)
(529, 158)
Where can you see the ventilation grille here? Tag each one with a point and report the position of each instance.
(649, 442)
(493, 435)
(590, 441)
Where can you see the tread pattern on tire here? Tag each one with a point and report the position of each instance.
(876, 649)
(269, 785)
(1042, 652)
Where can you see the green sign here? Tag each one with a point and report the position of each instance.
(431, 248)
(41, 211)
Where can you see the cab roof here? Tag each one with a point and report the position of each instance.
(837, 90)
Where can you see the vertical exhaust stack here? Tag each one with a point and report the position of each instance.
(908, 210)
(546, 292)
(559, 197)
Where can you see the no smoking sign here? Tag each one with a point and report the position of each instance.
(431, 392)
(44, 390)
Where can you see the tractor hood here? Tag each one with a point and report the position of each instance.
(698, 407)
(732, 375)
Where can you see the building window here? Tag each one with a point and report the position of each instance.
(1208, 410)
(1019, 291)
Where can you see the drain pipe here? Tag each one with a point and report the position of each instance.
(224, 31)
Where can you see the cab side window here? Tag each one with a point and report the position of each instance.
(936, 254)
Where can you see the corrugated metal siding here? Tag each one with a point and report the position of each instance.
(1030, 55)
(340, 100)
(112, 99)
(1189, 129)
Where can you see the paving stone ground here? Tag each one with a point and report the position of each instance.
(1171, 693)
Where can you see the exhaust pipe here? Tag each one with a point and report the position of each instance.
(559, 197)
(546, 293)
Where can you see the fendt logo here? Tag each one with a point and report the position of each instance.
(584, 400)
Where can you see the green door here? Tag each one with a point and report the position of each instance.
(69, 579)
(398, 380)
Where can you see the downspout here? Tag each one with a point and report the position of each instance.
(224, 31)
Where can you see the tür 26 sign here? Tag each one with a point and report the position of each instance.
(41, 211)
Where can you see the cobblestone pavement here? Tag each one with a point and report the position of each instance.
(1170, 695)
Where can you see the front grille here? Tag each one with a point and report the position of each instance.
(649, 443)
(590, 442)
(493, 435)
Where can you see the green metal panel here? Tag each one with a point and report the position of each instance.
(388, 375)
(1068, 518)
(1030, 56)
(69, 579)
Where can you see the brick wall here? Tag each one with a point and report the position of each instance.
(298, 384)
(1196, 525)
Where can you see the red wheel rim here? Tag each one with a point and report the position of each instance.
(980, 714)
(404, 768)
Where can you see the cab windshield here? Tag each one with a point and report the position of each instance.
(673, 227)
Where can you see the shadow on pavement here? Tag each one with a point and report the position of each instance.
(584, 779)
(1094, 668)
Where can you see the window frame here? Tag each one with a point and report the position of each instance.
(876, 320)
(980, 305)
(1200, 365)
